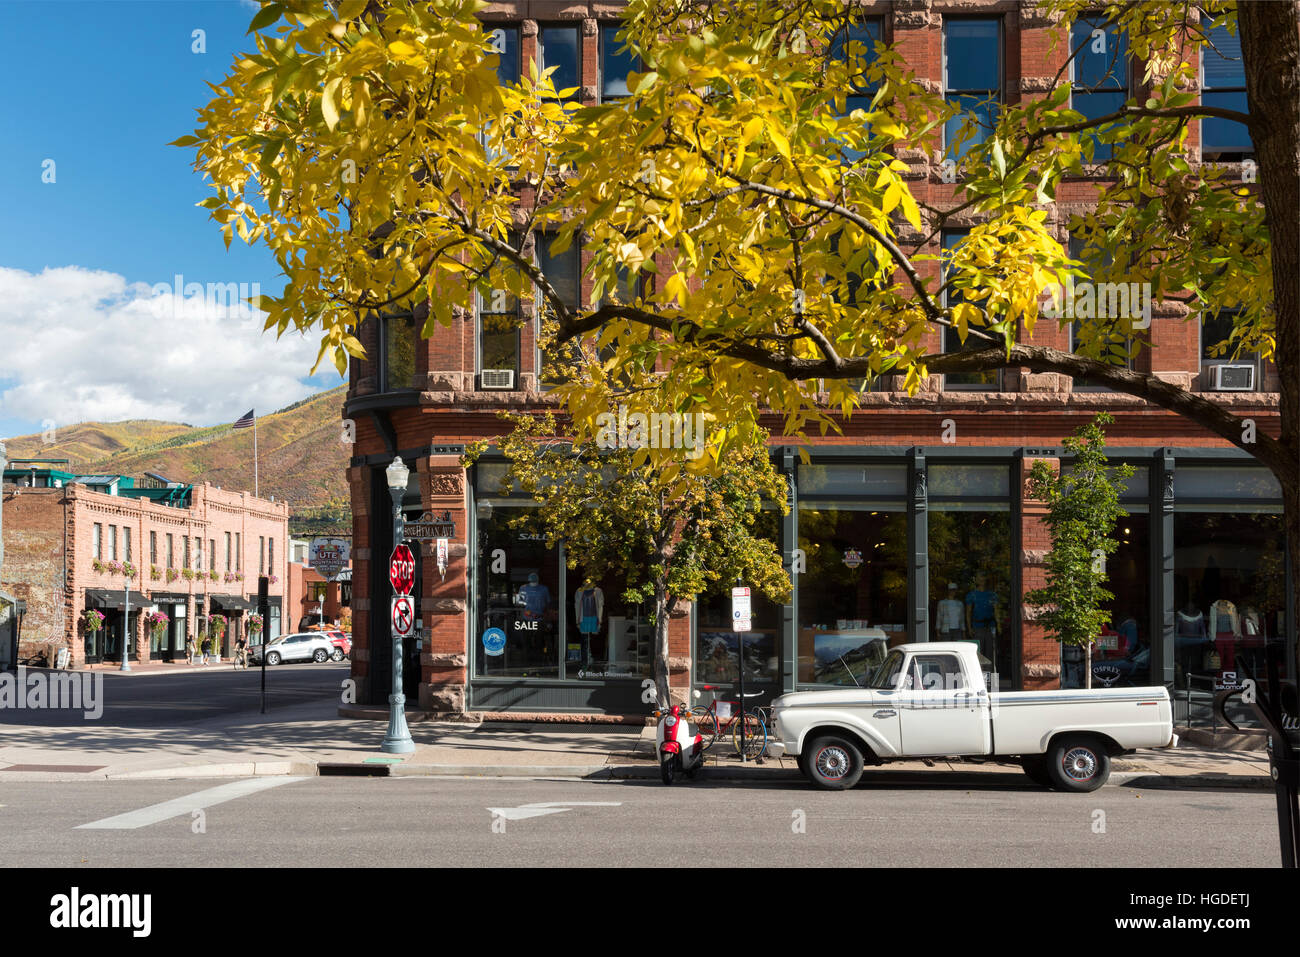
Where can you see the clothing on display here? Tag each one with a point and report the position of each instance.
(1223, 619)
(949, 617)
(983, 606)
(589, 609)
(1190, 626)
(536, 599)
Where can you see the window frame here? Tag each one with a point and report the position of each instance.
(604, 48)
(949, 92)
(540, 54)
(1127, 71)
(1220, 155)
(575, 248)
(999, 380)
(1207, 364)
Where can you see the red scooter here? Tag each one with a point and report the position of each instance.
(677, 742)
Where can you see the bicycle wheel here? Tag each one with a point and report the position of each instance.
(705, 722)
(755, 735)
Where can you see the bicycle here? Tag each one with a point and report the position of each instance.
(755, 725)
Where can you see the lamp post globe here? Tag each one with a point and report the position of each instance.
(398, 738)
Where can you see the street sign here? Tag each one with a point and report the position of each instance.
(740, 609)
(401, 570)
(429, 526)
(403, 615)
(329, 556)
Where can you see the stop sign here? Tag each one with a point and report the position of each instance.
(401, 570)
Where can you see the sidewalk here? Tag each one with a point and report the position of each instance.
(312, 739)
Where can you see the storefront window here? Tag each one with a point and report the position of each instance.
(519, 594)
(717, 647)
(970, 560)
(852, 594)
(1122, 655)
(605, 636)
(1229, 596)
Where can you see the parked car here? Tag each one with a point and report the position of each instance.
(342, 642)
(931, 699)
(301, 646)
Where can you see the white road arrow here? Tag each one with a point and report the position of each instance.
(546, 807)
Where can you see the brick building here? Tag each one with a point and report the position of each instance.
(911, 525)
(194, 552)
(310, 599)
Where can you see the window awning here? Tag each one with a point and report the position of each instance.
(229, 603)
(272, 601)
(113, 598)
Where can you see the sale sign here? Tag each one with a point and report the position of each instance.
(401, 570)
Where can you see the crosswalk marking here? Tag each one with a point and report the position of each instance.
(208, 797)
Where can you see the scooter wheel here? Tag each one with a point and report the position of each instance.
(667, 766)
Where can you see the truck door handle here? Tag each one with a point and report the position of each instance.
(885, 713)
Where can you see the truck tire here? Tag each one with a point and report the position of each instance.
(1077, 763)
(833, 763)
(1035, 767)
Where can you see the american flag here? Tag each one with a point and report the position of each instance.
(245, 421)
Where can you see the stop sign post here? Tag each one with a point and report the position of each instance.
(401, 573)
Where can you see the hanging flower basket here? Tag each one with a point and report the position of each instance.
(93, 619)
(172, 574)
(217, 626)
(155, 572)
(254, 624)
(157, 621)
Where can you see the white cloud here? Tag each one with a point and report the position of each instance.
(79, 345)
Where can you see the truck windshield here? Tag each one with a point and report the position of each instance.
(887, 672)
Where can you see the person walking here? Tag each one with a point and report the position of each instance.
(207, 649)
(190, 649)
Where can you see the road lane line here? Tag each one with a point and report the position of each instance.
(188, 804)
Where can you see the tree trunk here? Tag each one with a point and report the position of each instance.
(1270, 46)
(663, 608)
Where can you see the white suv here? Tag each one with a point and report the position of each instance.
(303, 646)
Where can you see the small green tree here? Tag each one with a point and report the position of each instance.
(665, 523)
(1082, 508)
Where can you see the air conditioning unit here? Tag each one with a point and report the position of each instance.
(497, 378)
(1233, 378)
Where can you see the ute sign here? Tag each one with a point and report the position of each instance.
(401, 570)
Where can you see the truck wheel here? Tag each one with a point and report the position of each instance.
(833, 763)
(1077, 763)
(1035, 767)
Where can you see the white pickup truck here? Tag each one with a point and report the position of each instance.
(930, 700)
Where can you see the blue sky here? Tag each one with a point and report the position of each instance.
(99, 88)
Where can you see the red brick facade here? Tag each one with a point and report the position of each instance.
(444, 409)
(50, 555)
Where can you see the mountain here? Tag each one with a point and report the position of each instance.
(301, 457)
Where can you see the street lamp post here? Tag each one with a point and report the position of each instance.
(398, 739)
(126, 624)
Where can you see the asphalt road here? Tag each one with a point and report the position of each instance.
(170, 700)
(346, 822)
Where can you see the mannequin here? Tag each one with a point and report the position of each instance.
(981, 617)
(588, 612)
(1225, 628)
(948, 621)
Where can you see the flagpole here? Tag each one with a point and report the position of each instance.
(256, 489)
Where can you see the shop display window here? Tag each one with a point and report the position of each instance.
(853, 591)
